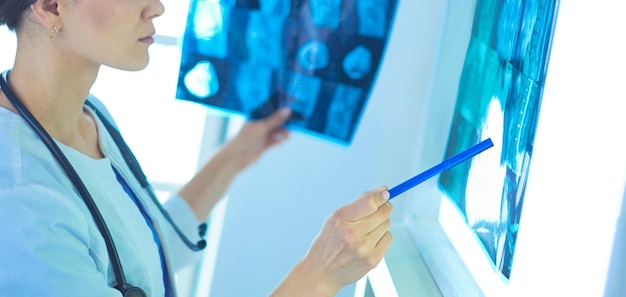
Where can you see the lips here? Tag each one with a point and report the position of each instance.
(148, 39)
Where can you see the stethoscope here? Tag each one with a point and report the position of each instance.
(125, 288)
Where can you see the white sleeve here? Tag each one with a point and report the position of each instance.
(45, 247)
(180, 255)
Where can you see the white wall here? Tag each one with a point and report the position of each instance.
(277, 207)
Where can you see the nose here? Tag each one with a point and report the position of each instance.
(154, 9)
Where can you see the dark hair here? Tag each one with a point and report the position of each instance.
(11, 12)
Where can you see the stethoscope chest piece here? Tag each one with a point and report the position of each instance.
(132, 291)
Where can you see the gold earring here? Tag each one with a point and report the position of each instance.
(53, 32)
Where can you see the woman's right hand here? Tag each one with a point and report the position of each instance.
(352, 241)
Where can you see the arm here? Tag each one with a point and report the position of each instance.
(352, 241)
(212, 181)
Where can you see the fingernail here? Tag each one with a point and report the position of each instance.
(386, 195)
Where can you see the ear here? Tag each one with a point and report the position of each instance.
(47, 13)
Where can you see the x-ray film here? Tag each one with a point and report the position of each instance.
(319, 57)
(499, 97)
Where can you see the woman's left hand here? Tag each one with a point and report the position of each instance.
(255, 137)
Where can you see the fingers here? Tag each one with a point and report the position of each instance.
(377, 233)
(375, 246)
(365, 206)
(383, 244)
(374, 221)
(278, 118)
(354, 238)
(379, 240)
(278, 136)
(273, 124)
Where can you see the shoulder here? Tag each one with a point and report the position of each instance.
(4, 101)
(10, 150)
(25, 158)
(96, 105)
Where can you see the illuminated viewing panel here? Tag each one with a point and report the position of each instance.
(499, 97)
(320, 57)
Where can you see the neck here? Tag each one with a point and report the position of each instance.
(53, 88)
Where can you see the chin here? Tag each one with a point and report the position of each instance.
(137, 68)
(134, 64)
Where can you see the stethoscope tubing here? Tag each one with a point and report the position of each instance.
(131, 161)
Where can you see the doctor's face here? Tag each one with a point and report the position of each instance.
(115, 33)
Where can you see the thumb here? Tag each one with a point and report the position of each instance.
(365, 205)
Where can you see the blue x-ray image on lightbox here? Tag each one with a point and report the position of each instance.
(319, 57)
(499, 97)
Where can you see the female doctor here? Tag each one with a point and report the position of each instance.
(76, 217)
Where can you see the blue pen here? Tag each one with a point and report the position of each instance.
(443, 166)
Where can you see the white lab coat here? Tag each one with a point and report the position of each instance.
(49, 243)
